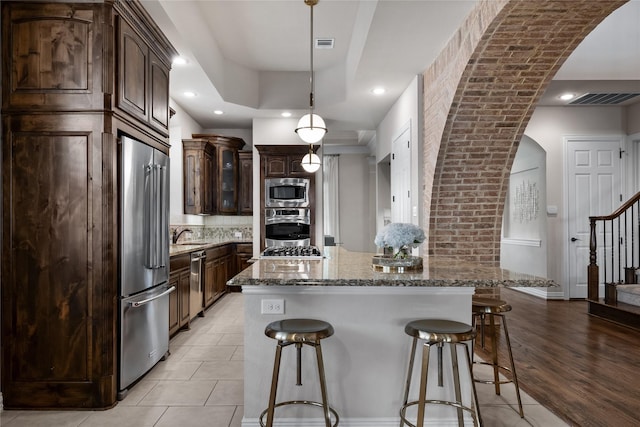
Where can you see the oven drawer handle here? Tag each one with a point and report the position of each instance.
(148, 300)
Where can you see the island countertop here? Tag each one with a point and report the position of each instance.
(341, 267)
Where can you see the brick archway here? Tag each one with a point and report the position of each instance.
(490, 92)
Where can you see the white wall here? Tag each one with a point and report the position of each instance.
(524, 237)
(354, 182)
(633, 119)
(548, 126)
(406, 112)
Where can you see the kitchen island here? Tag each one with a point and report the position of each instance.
(367, 357)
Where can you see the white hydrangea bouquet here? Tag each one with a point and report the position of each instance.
(399, 236)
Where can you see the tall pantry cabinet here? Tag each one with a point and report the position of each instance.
(75, 76)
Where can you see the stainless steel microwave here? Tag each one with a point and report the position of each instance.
(286, 192)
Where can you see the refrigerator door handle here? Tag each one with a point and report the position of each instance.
(156, 226)
(149, 217)
(162, 225)
(148, 300)
(156, 214)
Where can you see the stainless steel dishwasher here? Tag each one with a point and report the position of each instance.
(196, 296)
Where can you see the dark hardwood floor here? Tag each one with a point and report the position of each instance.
(584, 369)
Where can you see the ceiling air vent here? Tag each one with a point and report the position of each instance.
(325, 43)
(603, 98)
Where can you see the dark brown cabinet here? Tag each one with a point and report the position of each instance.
(69, 87)
(276, 165)
(143, 86)
(221, 264)
(212, 169)
(283, 161)
(244, 253)
(179, 315)
(174, 280)
(226, 271)
(218, 266)
(210, 266)
(198, 166)
(159, 94)
(245, 192)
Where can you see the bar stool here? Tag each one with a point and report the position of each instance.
(491, 307)
(438, 332)
(298, 332)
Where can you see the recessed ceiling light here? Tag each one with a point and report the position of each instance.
(285, 114)
(179, 60)
(189, 94)
(378, 90)
(218, 112)
(567, 96)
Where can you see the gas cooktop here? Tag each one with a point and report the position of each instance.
(307, 252)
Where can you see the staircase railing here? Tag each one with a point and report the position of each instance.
(614, 244)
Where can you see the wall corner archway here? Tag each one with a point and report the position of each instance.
(479, 95)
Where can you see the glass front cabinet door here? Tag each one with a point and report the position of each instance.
(228, 184)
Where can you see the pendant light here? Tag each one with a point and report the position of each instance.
(311, 128)
(311, 162)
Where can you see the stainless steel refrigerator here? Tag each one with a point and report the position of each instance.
(144, 260)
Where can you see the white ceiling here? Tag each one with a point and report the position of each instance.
(251, 58)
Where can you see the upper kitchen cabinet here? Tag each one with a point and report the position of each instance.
(52, 56)
(61, 122)
(198, 158)
(143, 78)
(279, 161)
(225, 181)
(245, 201)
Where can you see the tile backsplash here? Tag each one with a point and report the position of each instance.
(216, 233)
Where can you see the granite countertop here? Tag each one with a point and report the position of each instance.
(344, 268)
(191, 246)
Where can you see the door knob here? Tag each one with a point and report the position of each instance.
(573, 239)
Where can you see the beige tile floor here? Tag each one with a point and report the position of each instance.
(201, 385)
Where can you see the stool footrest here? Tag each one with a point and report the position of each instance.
(504, 368)
(404, 408)
(300, 402)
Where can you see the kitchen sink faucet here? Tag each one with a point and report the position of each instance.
(176, 235)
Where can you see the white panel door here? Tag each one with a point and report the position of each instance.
(401, 178)
(594, 188)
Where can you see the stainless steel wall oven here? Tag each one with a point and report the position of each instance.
(287, 227)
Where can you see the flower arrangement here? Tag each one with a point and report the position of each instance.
(399, 236)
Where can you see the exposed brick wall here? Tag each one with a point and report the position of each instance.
(479, 96)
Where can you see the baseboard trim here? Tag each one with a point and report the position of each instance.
(540, 292)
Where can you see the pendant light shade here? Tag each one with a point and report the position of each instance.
(311, 162)
(311, 132)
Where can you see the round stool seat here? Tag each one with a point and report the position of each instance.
(299, 330)
(440, 331)
(489, 305)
